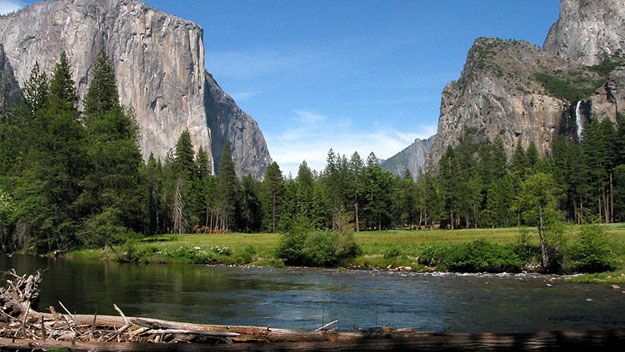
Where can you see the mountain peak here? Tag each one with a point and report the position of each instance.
(587, 31)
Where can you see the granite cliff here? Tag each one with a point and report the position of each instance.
(159, 62)
(412, 159)
(588, 31)
(521, 93)
(10, 93)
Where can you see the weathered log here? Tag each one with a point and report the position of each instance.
(325, 327)
(605, 340)
(246, 333)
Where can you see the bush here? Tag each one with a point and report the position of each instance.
(246, 256)
(481, 255)
(317, 248)
(227, 251)
(592, 250)
(433, 255)
(392, 253)
(524, 249)
(190, 254)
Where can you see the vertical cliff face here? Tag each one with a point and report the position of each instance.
(515, 91)
(413, 158)
(498, 96)
(588, 30)
(9, 89)
(230, 124)
(158, 59)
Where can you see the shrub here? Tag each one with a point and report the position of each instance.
(524, 249)
(481, 255)
(190, 254)
(392, 253)
(227, 251)
(318, 248)
(434, 254)
(592, 250)
(246, 256)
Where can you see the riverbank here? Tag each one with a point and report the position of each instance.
(390, 250)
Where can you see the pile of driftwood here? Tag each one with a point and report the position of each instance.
(21, 322)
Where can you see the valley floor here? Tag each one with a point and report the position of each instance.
(259, 249)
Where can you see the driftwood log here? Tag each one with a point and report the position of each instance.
(22, 328)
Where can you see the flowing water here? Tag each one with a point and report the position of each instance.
(306, 298)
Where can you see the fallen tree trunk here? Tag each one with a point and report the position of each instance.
(418, 341)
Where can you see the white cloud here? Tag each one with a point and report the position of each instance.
(312, 141)
(243, 96)
(308, 117)
(7, 6)
(254, 64)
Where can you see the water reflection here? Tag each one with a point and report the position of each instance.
(296, 298)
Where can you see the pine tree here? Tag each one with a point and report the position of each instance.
(102, 95)
(36, 90)
(451, 182)
(355, 166)
(251, 209)
(202, 191)
(112, 194)
(531, 157)
(228, 189)
(273, 193)
(63, 94)
(304, 191)
(50, 188)
(184, 163)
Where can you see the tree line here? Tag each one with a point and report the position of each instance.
(75, 177)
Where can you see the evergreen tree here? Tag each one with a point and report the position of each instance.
(112, 195)
(451, 182)
(378, 190)
(531, 157)
(36, 90)
(102, 95)
(539, 203)
(519, 162)
(63, 94)
(273, 193)
(356, 166)
(251, 212)
(184, 163)
(203, 197)
(228, 189)
(50, 187)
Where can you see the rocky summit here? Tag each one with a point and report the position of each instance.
(159, 63)
(520, 93)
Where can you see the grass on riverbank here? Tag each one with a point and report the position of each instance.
(383, 249)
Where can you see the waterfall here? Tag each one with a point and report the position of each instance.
(579, 119)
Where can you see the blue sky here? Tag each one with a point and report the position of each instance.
(349, 75)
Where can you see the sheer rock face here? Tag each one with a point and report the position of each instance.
(588, 30)
(413, 158)
(497, 96)
(10, 93)
(231, 124)
(159, 64)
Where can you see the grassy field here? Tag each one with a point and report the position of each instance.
(259, 249)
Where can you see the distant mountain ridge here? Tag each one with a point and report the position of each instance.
(159, 62)
(410, 159)
(506, 89)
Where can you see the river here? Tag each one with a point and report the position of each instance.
(306, 298)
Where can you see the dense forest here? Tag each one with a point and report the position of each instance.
(72, 175)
